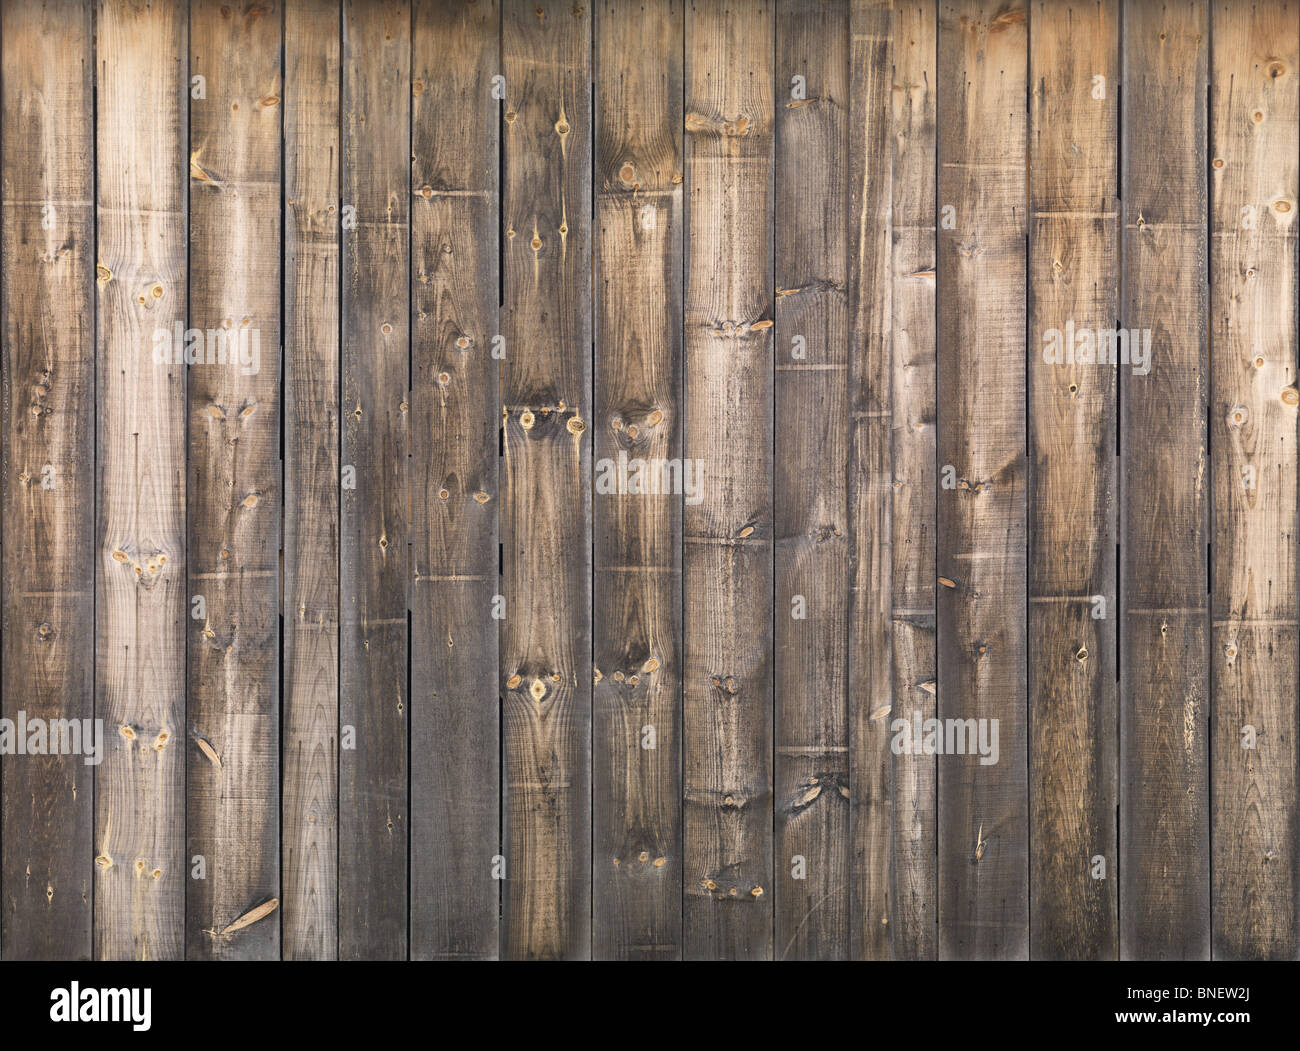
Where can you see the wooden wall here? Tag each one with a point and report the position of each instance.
(336, 336)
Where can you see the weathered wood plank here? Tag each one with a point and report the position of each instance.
(811, 445)
(870, 464)
(373, 579)
(456, 408)
(1254, 116)
(309, 907)
(233, 505)
(142, 92)
(546, 511)
(47, 475)
(1073, 286)
(911, 809)
(637, 604)
(727, 561)
(983, 804)
(1164, 814)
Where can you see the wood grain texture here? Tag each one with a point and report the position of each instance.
(912, 810)
(312, 231)
(233, 495)
(727, 562)
(870, 492)
(1073, 286)
(47, 478)
(1254, 146)
(810, 501)
(546, 388)
(374, 575)
(983, 807)
(637, 599)
(1164, 762)
(140, 603)
(455, 791)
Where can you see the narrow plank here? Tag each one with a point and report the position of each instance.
(870, 495)
(455, 712)
(309, 905)
(637, 621)
(1164, 763)
(912, 814)
(47, 473)
(373, 579)
(233, 506)
(140, 601)
(1254, 116)
(810, 498)
(1073, 286)
(727, 564)
(546, 513)
(983, 805)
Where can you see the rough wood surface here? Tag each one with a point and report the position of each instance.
(661, 440)
(637, 601)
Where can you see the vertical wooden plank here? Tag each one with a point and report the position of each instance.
(983, 805)
(1073, 284)
(1254, 115)
(546, 516)
(47, 475)
(141, 870)
(910, 125)
(233, 507)
(637, 604)
(309, 912)
(811, 446)
(373, 703)
(727, 561)
(870, 494)
(1164, 816)
(455, 711)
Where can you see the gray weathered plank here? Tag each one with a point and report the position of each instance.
(637, 601)
(546, 498)
(309, 777)
(455, 404)
(48, 498)
(1073, 286)
(1164, 762)
(810, 499)
(727, 563)
(374, 576)
(870, 465)
(911, 802)
(233, 492)
(983, 804)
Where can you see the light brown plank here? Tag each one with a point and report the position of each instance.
(140, 603)
(309, 906)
